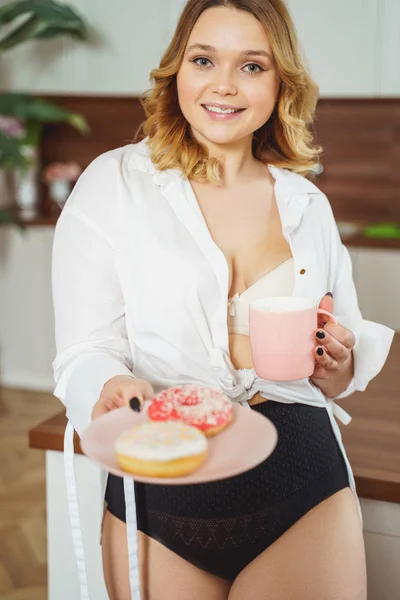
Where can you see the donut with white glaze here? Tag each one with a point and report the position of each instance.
(164, 449)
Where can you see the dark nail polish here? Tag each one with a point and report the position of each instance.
(320, 351)
(329, 294)
(320, 335)
(134, 403)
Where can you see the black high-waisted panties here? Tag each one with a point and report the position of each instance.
(222, 526)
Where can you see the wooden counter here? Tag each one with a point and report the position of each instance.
(372, 439)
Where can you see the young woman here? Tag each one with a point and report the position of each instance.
(157, 254)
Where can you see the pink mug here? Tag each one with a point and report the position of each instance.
(282, 337)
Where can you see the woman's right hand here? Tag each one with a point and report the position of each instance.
(118, 391)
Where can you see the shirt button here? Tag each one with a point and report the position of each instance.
(302, 271)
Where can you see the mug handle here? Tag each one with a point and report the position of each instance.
(322, 311)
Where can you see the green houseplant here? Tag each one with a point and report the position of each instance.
(22, 116)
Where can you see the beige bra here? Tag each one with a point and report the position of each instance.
(278, 282)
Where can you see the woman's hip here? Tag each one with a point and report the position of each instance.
(307, 455)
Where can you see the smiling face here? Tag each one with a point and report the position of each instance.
(228, 64)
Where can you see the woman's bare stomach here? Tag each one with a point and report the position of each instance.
(240, 351)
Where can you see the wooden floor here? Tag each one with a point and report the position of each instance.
(23, 554)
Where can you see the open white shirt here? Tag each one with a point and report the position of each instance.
(141, 288)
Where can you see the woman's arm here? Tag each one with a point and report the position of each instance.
(91, 340)
(356, 349)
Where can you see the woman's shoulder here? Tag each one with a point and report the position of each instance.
(96, 196)
(131, 155)
(103, 176)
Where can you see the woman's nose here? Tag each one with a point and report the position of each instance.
(224, 82)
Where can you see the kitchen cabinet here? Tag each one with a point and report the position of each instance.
(376, 275)
(341, 42)
(27, 345)
(382, 545)
(63, 582)
(382, 554)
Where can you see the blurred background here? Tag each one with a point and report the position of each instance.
(70, 80)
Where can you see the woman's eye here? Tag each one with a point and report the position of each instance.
(257, 69)
(202, 61)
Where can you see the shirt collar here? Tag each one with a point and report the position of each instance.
(293, 192)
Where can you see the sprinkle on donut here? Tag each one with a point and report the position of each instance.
(203, 407)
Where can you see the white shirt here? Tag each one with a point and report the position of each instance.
(140, 287)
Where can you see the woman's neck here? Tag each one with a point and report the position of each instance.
(239, 164)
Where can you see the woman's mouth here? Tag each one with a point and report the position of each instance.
(217, 113)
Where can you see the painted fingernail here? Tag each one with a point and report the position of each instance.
(320, 351)
(135, 405)
(329, 294)
(320, 335)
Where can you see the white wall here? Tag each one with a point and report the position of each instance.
(389, 24)
(342, 43)
(352, 48)
(127, 41)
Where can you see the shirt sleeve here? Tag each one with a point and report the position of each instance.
(373, 340)
(91, 338)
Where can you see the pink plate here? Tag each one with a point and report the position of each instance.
(246, 442)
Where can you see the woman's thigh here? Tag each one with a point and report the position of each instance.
(163, 573)
(320, 556)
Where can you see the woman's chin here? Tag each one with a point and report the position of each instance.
(220, 138)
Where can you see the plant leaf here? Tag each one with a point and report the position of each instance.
(7, 216)
(19, 35)
(46, 9)
(10, 153)
(26, 107)
(54, 31)
(78, 122)
(47, 19)
(12, 10)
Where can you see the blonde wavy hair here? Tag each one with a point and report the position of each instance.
(285, 140)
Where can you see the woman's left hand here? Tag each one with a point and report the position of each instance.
(333, 355)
